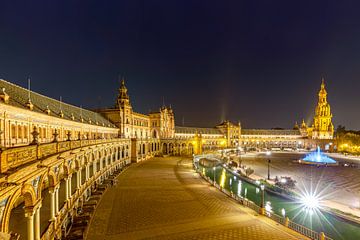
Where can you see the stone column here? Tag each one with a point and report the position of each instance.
(69, 182)
(57, 199)
(30, 224)
(52, 193)
(37, 223)
(94, 167)
(67, 188)
(101, 163)
(87, 172)
(78, 178)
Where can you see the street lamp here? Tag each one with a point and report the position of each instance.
(214, 174)
(262, 203)
(268, 153)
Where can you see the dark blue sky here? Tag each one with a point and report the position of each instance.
(256, 61)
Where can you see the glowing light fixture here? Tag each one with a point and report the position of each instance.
(283, 213)
(310, 202)
(283, 180)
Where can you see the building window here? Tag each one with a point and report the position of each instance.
(13, 131)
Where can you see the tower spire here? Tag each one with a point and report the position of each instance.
(322, 82)
(29, 104)
(123, 96)
(323, 127)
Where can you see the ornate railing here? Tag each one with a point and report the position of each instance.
(14, 157)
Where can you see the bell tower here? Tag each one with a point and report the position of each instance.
(322, 127)
(125, 111)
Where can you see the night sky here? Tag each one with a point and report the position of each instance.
(259, 62)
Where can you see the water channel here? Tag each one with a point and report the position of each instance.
(321, 221)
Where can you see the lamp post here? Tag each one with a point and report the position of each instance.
(262, 202)
(214, 175)
(268, 153)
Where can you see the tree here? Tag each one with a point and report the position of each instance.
(340, 130)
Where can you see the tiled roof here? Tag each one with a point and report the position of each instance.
(269, 132)
(193, 130)
(19, 97)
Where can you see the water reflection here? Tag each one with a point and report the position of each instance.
(275, 204)
(223, 178)
(239, 189)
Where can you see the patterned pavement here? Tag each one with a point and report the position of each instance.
(163, 198)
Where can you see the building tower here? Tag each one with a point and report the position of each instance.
(124, 105)
(322, 127)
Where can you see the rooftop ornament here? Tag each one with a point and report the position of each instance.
(4, 96)
(55, 134)
(35, 135)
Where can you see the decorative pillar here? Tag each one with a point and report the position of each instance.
(57, 199)
(67, 188)
(94, 167)
(56, 135)
(86, 172)
(37, 223)
(69, 182)
(30, 224)
(35, 135)
(78, 178)
(52, 193)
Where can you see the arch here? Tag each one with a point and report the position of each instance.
(165, 148)
(190, 148)
(122, 152)
(154, 133)
(171, 148)
(41, 183)
(29, 194)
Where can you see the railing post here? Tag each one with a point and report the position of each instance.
(286, 223)
(322, 236)
(38, 152)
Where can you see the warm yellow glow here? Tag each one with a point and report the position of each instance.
(223, 142)
(223, 177)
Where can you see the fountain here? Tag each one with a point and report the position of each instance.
(318, 158)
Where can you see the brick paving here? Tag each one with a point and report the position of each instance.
(163, 198)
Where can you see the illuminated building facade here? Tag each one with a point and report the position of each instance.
(53, 153)
(322, 126)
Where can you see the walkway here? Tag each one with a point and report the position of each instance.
(163, 198)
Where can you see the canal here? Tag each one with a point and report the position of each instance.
(319, 221)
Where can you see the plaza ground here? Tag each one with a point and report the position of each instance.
(163, 198)
(339, 185)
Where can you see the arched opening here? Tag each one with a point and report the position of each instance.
(24, 198)
(183, 149)
(165, 148)
(190, 149)
(154, 134)
(171, 148)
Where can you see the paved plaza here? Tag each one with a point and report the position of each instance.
(163, 198)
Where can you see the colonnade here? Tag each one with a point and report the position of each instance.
(56, 178)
